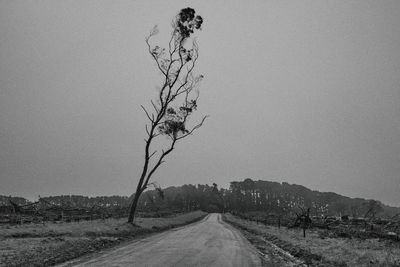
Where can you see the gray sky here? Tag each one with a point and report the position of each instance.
(306, 92)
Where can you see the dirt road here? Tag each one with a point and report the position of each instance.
(209, 242)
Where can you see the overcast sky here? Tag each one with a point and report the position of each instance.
(306, 92)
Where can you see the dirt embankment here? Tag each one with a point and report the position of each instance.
(316, 250)
(49, 244)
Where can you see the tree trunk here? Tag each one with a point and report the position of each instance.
(133, 207)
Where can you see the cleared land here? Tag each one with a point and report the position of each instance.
(51, 243)
(317, 249)
(209, 242)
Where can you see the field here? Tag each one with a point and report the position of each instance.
(318, 248)
(50, 243)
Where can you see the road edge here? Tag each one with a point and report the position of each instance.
(258, 241)
(73, 260)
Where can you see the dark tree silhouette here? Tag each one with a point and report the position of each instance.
(168, 118)
(303, 219)
(373, 207)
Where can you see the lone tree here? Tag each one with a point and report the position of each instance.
(303, 219)
(177, 97)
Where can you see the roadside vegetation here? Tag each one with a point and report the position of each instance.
(46, 244)
(315, 227)
(319, 248)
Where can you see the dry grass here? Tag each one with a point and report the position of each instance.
(107, 227)
(352, 252)
(50, 243)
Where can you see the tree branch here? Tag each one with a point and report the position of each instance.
(193, 129)
(152, 154)
(147, 114)
(154, 106)
(159, 162)
(152, 54)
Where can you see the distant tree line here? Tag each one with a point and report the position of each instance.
(242, 196)
(183, 198)
(70, 201)
(284, 198)
(87, 202)
(271, 197)
(5, 200)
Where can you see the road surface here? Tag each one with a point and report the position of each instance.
(210, 242)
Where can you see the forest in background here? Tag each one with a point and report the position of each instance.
(242, 196)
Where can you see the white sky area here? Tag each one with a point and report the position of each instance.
(306, 92)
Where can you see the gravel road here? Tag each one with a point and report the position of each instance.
(210, 242)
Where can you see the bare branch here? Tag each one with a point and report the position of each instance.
(153, 55)
(194, 128)
(160, 161)
(152, 154)
(154, 106)
(189, 71)
(147, 114)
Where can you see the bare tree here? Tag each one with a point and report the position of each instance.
(303, 219)
(373, 208)
(168, 118)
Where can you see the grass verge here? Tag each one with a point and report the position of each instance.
(52, 243)
(316, 250)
